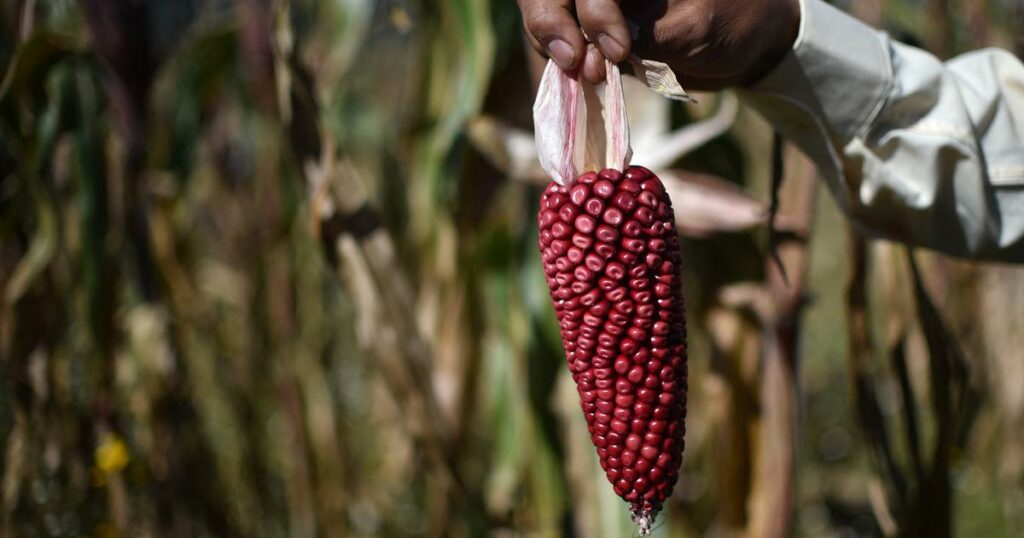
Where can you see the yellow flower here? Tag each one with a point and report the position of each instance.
(112, 455)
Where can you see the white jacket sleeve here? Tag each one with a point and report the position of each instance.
(912, 149)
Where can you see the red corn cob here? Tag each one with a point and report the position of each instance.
(611, 257)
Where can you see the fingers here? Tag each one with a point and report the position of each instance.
(605, 26)
(593, 65)
(553, 31)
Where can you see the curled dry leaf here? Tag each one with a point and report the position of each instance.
(660, 78)
(704, 204)
(711, 204)
(660, 151)
(507, 148)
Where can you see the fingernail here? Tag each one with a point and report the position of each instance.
(561, 53)
(611, 48)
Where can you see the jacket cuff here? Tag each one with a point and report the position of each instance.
(839, 70)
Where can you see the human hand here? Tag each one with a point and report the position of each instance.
(710, 44)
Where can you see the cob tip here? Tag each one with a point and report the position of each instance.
(643, 519)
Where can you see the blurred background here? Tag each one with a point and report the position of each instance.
(269, 268)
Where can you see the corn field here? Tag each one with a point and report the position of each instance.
(270, 268)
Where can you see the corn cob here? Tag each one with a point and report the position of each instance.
(611, 258)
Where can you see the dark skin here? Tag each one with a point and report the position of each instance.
(710, 44)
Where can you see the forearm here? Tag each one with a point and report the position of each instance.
(912, 149)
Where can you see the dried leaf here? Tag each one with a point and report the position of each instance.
(660, 78)
(40, 253)
(705, 204)
(667, 148)
(650, 117)
(507, 148)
